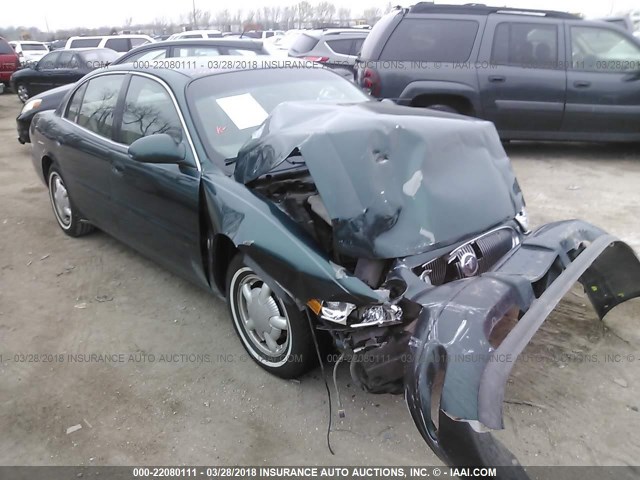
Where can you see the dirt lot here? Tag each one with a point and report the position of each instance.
(62, 296)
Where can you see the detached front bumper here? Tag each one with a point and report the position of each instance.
(22, 127)
(468, 336)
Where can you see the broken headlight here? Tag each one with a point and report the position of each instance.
(336, 312)
(367, 316)
(379, 315)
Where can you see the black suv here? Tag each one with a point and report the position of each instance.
(536, 74)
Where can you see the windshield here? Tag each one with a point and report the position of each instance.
(228, 108)
(34, 46)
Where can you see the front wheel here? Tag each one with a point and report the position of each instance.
(23, 92)
(272, 329)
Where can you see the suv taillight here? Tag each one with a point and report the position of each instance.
(317, 59)
(371, 81)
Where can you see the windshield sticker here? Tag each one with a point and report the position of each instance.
(243, 110)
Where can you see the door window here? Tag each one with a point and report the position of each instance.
(195, 51)
(146, 56)
(99, 104)
(118, 44)
(531, 45)
(48, 62)
(74, 104)
(64, 60)
(136, 42)
(342, 46)
(602, 50)
(148, 110)
(84, 43)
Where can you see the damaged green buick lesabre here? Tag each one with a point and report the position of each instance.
(400, 233)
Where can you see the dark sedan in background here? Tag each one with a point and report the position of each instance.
(399, 232)
(144, 56)
(58, 68)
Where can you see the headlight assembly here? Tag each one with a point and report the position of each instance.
(366, 316)
(30, 105)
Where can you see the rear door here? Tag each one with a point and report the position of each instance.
(603, 82)
(85, 154)
(156, 205)
(521, 73)
(67, 69)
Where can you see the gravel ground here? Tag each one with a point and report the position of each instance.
(207, 404)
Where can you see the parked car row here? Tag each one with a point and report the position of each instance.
(536, 74)
(144, 56)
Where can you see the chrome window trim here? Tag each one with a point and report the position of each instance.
(140, 74)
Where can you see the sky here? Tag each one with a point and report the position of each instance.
(90, 14)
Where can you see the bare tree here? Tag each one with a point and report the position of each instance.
(324, 13)
(205, 18)
(344, 16)
(371, 15)
(305, 12)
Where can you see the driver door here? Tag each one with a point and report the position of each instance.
(156, 205)
(603, 85)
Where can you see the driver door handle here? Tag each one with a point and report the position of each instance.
(117, 167)
(581, 84)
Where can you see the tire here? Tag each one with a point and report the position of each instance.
(443, 108)
(290, 351)
(23, 92)
(64, 210)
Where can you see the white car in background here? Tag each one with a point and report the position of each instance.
(196, 34)
(119, 43)
(279, 45)
(29, 51)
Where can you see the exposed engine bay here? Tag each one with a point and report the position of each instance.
(452, 273)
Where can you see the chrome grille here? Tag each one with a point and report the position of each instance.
(488, 248)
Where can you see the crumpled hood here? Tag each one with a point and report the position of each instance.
(396, 181)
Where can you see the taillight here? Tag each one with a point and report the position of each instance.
(317, 59)
(371, 81)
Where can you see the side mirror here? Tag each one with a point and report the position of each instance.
(160, 148)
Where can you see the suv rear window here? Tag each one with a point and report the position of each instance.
(85, 43)
(118, 44)
(431, 40)
(5, 48)
(303, 43)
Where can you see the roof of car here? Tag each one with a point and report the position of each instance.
(227, 42)
(195, 67)
(480, 9)
(335, 31)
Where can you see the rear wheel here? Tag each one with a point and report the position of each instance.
(23, 92)
(65, 212)
(272, 329)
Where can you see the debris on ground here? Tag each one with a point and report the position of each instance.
(74, 428)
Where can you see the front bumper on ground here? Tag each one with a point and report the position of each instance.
(455, 397)
(23, 130)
